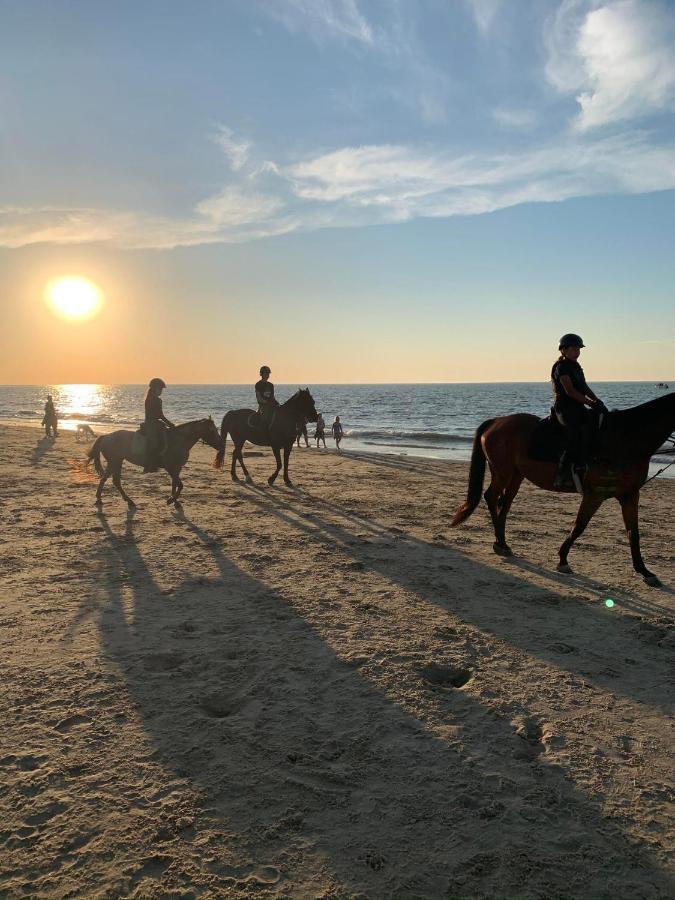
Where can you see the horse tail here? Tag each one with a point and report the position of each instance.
(94, 455)
(476, 477)
(220, 455)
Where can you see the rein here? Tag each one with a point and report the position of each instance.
(669, 440)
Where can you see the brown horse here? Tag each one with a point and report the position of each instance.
(119, 445)
(246, 425)
(626, 442)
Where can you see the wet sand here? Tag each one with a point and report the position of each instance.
(324, 691)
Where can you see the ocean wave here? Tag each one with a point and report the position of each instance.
(391, 435)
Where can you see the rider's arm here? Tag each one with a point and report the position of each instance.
(572, 392)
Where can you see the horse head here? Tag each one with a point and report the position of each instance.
(209, 434)
(305, 405)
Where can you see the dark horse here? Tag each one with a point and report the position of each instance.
(246, 425)
(120, 445)
(626, 442)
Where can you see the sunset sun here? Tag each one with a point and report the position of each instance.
(72, 297)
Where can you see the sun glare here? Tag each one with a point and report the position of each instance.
(73, 297)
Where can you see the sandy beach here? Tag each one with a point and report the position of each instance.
(325, 691)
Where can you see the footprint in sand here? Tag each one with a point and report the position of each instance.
(445, 676)
(529, 738)
(251, 874)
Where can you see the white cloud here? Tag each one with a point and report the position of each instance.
(322, 19)
(237, 151)
(484, 12)
(618, 58)
(233, 206)
(510, 117)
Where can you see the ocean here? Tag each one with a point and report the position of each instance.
(428, 420)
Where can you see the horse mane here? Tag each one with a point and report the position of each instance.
(294, 396)
(644, 414)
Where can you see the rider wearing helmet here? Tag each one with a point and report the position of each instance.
(155, 425)
(264, 394)
(571, 396)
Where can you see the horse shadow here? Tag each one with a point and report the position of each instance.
(307, 771)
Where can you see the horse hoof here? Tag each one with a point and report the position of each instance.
(652, 581)
(270, 481)
(502, 549)
(131, 504)
(249, 480)
(235, 478)
(170, 501)
(288, 482)
(564, 568)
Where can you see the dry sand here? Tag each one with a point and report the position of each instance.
(324, 691)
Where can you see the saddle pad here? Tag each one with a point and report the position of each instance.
(139, 443)
(548, 441)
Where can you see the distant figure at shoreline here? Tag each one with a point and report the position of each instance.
(84, 432)
(320, 433)
(338, 432)
(50, 419)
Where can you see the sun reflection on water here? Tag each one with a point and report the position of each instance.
(77, 403)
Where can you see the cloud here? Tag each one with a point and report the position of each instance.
(322, 19)
(237, 151)
(367, 185)
(618, 58)
(484, 13)
(510, 117)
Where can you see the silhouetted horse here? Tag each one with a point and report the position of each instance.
(625, 444)
(246, 425)
(120, 445)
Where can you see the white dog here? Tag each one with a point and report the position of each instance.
(84, 433)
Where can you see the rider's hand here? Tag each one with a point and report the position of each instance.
(599, 406)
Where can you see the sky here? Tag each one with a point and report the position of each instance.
(345, 190)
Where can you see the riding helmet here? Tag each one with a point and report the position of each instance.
(265, 370)
(157, 383)
(570, 340)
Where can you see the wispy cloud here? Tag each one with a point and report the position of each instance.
(618, 58)
(484, 13)
(356, 186)
(322, 19)
(237, 151)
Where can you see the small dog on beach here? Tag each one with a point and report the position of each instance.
(84, 433)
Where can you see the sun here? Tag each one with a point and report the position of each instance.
(73, 297)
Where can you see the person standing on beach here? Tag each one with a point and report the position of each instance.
(50, 418)
(571, 395)
(264, 394)
(320, 433)
(338, 432)
(155, 425)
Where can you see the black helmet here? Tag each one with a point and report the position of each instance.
(157, 383)
(570, 340)
(265, 370)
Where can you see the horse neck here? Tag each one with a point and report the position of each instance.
(190, 432)
(291, 404)
(650, 423)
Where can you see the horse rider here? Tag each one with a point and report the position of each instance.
(571, 396)
(264, 394)
(155, 425)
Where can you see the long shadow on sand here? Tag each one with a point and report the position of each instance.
(316, 776)
(445, 577)
(43, 445)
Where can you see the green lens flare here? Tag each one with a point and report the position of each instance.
(609, 603)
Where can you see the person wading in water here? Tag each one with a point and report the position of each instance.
(155, 425)
(571, 396)
(264, 394)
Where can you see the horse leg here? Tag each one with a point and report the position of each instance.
(176, 485)
(629, 511)
(277, 457)
(117, 481)
(240, 455)
(504, 502)
(99, 490)
(589, 506)
(287, 453)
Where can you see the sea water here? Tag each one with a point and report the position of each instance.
(429, 420)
